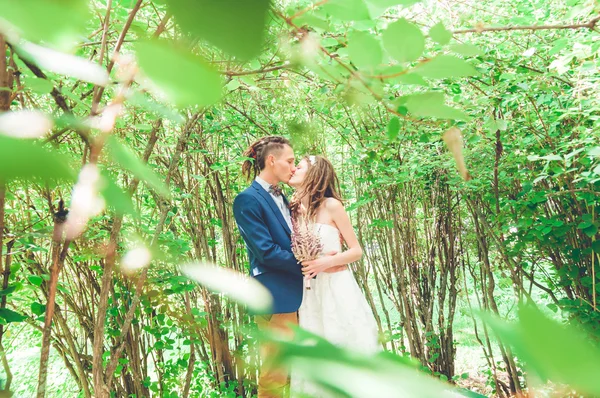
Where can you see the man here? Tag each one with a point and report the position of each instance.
(264, 221)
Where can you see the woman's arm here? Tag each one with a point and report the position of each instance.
(339, 216)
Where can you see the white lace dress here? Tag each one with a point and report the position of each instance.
(336, 309)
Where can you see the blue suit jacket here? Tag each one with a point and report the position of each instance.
(267, 238)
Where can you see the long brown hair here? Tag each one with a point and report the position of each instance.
(320, 182)
(258, 152)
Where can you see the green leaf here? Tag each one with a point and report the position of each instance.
(130, 162)
(591, 231)
(393, 128)
(403, 41)
(7, 291)
(445, 66)
(595, 151)
(347, 10)
(552, 157)
(115, 198)
(26, 160)
(233, 84)
(431, 104)
(469, 393)
(439, 34)
(184, 78)
(494, 125)
(11, 316)
(58, 23)
(35, 280)
(61, 287)
(38, 86)
(329, 42)
(38, 309)
(584, 225)
(468, 50)
(411, 78)
(364, 50)
(236, 27)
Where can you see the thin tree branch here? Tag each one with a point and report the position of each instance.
(105, 31)
(241, 112)
(162, 25)
(257, 71)
(480, 29)
(95, 43)
(99, 90)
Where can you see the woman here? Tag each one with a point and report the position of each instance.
(334, 307)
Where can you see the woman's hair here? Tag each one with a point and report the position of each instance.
(320, 182)
(258, 153)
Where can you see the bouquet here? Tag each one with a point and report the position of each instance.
(306, 245)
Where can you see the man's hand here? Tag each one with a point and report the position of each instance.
(313, 267)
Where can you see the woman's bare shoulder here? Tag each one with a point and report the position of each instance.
(332, 205)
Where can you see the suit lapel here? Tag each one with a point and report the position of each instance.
(267, 197)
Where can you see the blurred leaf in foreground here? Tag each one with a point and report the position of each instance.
(235, 285)
(24, 124)
(350, 374)
(27, 160)
(184, 78)
(552, 352)
(237, 27)
(58, 23)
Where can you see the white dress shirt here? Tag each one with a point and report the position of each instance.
(285, 211)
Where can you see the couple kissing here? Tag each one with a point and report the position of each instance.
(334, 306)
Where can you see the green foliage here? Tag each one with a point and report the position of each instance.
(339, 78)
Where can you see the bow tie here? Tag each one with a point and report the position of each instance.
(275, 190)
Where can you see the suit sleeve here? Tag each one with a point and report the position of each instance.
(258, 238)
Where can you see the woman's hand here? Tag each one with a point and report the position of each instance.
(311, 268)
